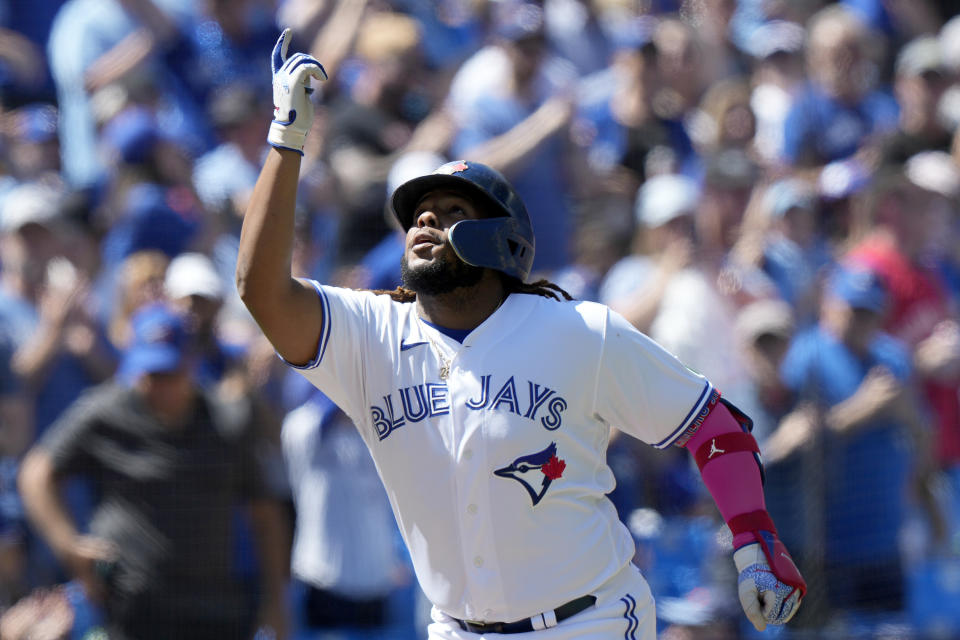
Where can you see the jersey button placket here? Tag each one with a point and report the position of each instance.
(461, 418)
(471, 472)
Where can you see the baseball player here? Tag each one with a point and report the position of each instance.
(486, 403)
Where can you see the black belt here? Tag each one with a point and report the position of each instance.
(562, 612)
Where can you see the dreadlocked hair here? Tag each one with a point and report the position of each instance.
(541, 287)
(398, 295)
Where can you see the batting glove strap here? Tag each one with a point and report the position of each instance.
(292, 107)
(770, 586)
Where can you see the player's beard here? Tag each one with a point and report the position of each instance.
(442, 275)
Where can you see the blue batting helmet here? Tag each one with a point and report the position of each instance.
(504, 242)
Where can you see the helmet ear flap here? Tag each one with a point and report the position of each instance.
(494, 243)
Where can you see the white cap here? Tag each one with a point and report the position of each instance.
(29, 203)
(665, 197)
(919, 56)
(776, 36)
(193, 274)
(768, 316)
(934, 171)
(950, 43)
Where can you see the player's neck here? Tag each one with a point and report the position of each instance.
(464, 307)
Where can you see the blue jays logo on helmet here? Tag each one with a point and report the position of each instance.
(503, 242)
(536, 472)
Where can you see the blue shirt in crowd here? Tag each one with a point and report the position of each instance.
(864, 471)
(820, 129)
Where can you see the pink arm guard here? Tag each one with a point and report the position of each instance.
(733, 479)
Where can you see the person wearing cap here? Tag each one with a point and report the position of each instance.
(854, 382)
(763, 330)
(777, 47)
(663, 287)
(34, 152)
(664, 211)
(195, 289)
(171, 463)
(899, 237)
(46, 305)
(795, 252)
(920, 80)
(938, 176)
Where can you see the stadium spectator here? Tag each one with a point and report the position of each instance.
(776, 78)
(372, 122)
(901, 229)
(840, 112)
(196, 291)
(139, 283)
(345, 558)
(763, 332)
(781, 114)
(796, 254)
(857, 381)
(60, 347)
(620, 136)
(34, 152)
(170, 463)
(920, 80)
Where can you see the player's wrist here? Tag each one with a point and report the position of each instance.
(283, 137)
(747, 555)
(745, 538)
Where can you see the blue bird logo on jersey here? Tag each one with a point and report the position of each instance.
(540, 468)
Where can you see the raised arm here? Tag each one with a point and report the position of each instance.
(288, 310)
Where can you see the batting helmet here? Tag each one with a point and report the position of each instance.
(504, 243)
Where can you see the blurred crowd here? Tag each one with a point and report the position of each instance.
(768, 188)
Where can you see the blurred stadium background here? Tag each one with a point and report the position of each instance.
(769, 188)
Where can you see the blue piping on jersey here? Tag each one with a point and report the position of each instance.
(698, 405)
(324, 332)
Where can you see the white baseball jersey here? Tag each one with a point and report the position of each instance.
(497, 474)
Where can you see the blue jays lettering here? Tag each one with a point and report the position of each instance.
(412, 404)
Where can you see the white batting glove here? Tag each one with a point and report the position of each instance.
(765, 598)
(292, 107)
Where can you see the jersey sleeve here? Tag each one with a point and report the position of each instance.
(66, 441)
(344, 347)
(644, 390)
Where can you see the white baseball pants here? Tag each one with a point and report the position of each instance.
(624, 611)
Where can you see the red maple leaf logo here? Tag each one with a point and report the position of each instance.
(553, 468)
(462, 166)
